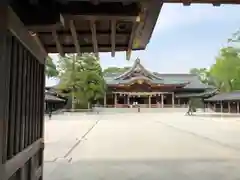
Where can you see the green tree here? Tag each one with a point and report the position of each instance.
(203, 74)
(226, 70)
(50, 68)
(82, 76)
(118, 70)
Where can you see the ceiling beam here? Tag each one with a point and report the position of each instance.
(100, 17)
(94, 37)
(113, 37)
(62, 20)
(58, 44)
(38, 41)
(75, 37)
(131, 40)
(216, 4)
(95, 2)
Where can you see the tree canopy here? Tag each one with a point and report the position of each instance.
(82, 76)
(225, 72)
(50, 68)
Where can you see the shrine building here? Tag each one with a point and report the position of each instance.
(151, 89)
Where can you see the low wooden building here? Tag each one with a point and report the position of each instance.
(225, 102)
(53, 101)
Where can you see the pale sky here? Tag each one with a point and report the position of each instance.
(184, 37)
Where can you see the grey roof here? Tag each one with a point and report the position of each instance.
(191, 80)
(228, 96)
(51, 98)
(205, 94)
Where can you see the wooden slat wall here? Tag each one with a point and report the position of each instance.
(21, 111)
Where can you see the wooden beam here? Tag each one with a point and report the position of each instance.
(113, 36)
(99, 17)
(94, 37)
(186, 3)
(17, 29)
(38, 41)
(21, 158)
(95, 2)
(58, 44)
(75, 37)
(131, 40)
(62, 20)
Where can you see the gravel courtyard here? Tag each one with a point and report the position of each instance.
(142, 146)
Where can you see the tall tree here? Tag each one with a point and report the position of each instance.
(50, 68)
(82, 76)
(226, 70)
(203, 75)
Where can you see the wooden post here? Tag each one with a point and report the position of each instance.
(149, 101)
(221, 107)
(173, 100)
(238, 107)
(162, 100)
(229, 107)
(115, 100)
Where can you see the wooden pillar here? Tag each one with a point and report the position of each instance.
(214, 106)
(149, 101)
(115, 100)
(105, 99)
(173, 100)
(229, 107)
(128, 99)
(162, 100)
(221, 106)
(238, 107)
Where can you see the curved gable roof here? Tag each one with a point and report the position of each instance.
(139, 67)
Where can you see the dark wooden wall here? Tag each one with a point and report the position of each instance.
(21, 110)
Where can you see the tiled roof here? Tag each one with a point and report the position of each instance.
(205, 94)
(49, 97)
(228, 96)
(192, 80)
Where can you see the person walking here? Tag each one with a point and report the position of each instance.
(50, 113)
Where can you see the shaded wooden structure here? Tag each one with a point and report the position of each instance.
(53, 102)
(29, 29)
(228, 102)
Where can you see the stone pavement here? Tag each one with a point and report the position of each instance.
(142, 146)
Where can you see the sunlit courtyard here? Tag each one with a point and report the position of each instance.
(142, 146)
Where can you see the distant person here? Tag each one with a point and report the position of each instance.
(50, 113)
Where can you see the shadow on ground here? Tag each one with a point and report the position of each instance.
(182, 169)
(217, 115)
